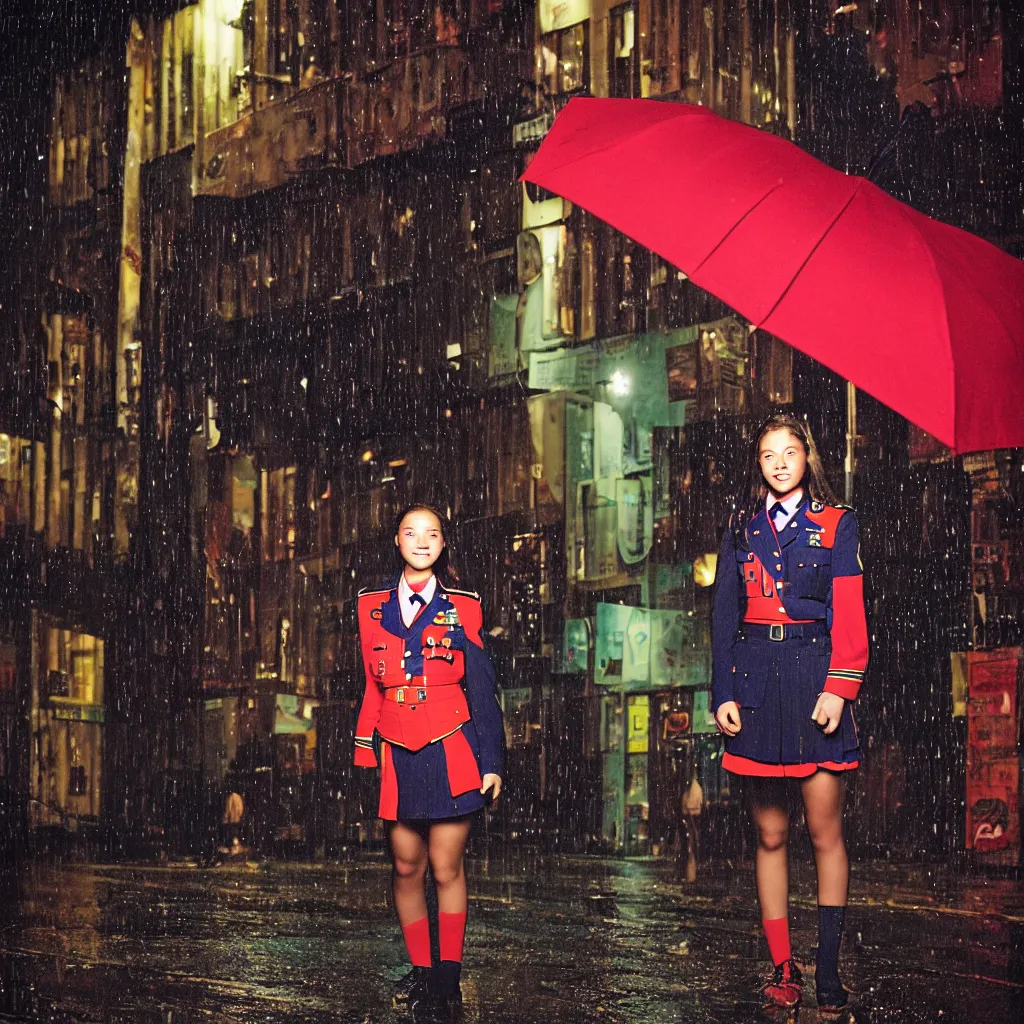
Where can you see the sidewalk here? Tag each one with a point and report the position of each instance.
(574, 940)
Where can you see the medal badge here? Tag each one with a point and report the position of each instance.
(814, 540)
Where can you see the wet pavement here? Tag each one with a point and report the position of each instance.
(574, 939)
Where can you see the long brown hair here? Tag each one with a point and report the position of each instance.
(814, 483)
(444, 569)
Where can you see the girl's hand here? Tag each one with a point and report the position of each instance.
(727, 718)
(828, 711)
(493, 782)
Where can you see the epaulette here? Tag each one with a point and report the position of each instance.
(463, 593)
(367, 591)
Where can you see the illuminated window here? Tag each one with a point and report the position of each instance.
(74, 666)
(565, 60)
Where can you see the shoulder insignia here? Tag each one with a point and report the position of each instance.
(816, 506)
(464, 593)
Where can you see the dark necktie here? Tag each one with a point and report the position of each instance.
(777, 510)
(417, 602)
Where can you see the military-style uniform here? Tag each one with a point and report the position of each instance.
(788, 624)
(430, 714)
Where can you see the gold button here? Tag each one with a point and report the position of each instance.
(408, 676)
(779, 567)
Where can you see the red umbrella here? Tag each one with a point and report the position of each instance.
(927, 318)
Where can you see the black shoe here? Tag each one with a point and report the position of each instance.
(435, 1009)
(412, 988)
(832, 999)
(785, 987)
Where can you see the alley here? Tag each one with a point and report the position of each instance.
(574, 940)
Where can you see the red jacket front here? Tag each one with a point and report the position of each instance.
(421, 665)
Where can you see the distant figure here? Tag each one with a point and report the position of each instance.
(692, 805)
(790, 646)
(234, 811)
(430, 716)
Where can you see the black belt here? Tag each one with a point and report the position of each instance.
(782, 630)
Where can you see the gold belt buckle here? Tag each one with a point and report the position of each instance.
(776, 631)
(400, 695)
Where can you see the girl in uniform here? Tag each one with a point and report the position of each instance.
(790, 648)
(430, 719)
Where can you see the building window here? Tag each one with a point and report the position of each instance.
(174, 83)
(74, 663)
(283, 38)
(623, 52)
(565, 59)
(664, 58)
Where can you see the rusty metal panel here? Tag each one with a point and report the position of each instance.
(274, 145)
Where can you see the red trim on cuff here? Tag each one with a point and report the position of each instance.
(365, 758)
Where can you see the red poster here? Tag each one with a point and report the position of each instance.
(993, 764)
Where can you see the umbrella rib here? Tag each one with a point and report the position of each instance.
(718, 245)
(814, 249)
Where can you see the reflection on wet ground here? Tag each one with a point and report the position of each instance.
(575, 940)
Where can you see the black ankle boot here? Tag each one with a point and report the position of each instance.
(413, 988)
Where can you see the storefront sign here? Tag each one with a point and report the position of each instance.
(503, 356)
(533, 130)
(635, 518)
(572, 657)
(79, 713)
(638, 731)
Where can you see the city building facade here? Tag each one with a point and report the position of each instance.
(291, 282)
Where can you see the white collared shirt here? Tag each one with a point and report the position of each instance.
(790, 504)
(406, 605)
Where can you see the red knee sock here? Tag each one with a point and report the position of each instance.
(417, 942)
(451, 929)
(776, 931)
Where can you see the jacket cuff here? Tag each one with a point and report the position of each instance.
(364, 755)
(844, 684)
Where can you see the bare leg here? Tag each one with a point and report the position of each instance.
(409, 853)
(447, 848)
(823, 806)
(768, 809)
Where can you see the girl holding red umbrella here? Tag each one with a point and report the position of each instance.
(431, 721)
(790, 648)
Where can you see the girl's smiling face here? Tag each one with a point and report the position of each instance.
(783, 461)
(420, 539)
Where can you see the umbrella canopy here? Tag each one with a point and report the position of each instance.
(925, 317)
